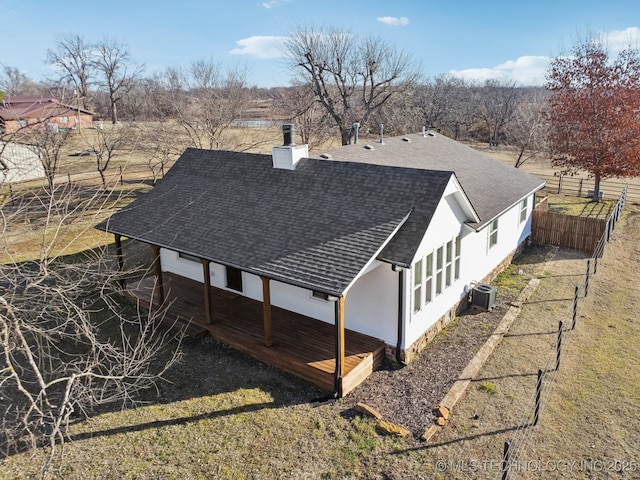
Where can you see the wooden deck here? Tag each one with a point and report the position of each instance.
(301, 345)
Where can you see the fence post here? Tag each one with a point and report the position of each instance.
(575, 309)
(586, 281)
(559, 350)
(580, 187)
(536, 412)
(559, 184)
(121, 181)
(505, 460)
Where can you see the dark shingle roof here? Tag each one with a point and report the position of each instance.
(491, 186)
(316, 226)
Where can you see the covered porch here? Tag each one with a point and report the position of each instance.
(292, 342)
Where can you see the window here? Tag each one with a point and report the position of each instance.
(523, 210)
(234, 279)
(493, 233)
(456, 268)
(417, 286)
(428, 284)
(64, 119)
(448, 267)
(439, 260)
(320, 295)
(186, 256)
(22, 122)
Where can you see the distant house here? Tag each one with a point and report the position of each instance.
(35, 112)
(383, 240)
(19, 163)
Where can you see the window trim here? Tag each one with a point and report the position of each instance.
(416, 287)
(457, 243)
(439, 269)
(428, 278)
(493, 233)
(524, 208)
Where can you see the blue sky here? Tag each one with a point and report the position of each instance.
(474, 39)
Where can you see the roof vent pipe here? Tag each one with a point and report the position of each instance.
(356, 126)
(288, 131)
(381, 134)
(424, 131)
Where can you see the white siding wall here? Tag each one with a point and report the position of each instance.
(445, 226)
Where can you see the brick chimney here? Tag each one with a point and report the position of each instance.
(289, 154)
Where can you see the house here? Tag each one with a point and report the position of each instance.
(19, 163)
(382, 240)
(35, 112)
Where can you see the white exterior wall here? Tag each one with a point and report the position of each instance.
(482, 259)
(371, 306)
(447, 223)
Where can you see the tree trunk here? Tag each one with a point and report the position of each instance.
(596, 189)
(346, 135)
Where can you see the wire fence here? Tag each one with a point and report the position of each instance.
(584, 187)
(514, 450)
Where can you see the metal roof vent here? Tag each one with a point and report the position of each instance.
(369, 147)
(326, 156)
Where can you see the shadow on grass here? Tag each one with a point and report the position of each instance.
(462, 439)
(174, 421)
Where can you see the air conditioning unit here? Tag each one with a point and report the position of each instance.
(484, 296)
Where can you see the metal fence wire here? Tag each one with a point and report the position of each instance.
(513, 450)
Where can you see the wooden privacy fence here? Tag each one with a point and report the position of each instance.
(567, 231)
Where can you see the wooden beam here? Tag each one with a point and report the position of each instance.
(122, 282)
(266, 311)
(206, 271)
(158, 271)
(339, 324)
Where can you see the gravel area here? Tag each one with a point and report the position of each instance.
(408, 395)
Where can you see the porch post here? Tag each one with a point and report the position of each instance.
(122, 282)
(339, 322)
(266, 311)
(206, 271)
(158, 271)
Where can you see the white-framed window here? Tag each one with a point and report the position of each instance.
(456, 266)
(523, 210)
(448, 270)
(439, 267)
(428, 278)
(417, 286)
(493, 233)
(64, 119)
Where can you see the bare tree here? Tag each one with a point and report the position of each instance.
(527, 130)
(48, 144)
(67, 344)
(74, 59)
(351, 77)
(110, 142)
(116, 71)
(207, 102)
(497, 105)
(311, 120)
(15, 82)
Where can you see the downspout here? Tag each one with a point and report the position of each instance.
(400, 271)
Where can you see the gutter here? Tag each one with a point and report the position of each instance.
(400, 271)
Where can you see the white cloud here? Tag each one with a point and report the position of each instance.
(274, 3)
(526, 70)
(261, 47)
(395, 21)
(618, 40)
